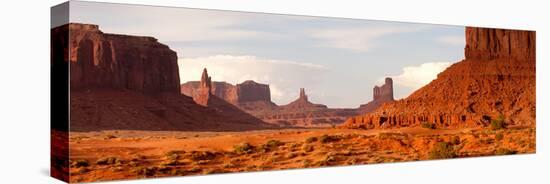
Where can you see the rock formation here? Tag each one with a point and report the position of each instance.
(302, 103)
(132, 83)
(99, 60)
(204, 91)
(497, 77)
(255, 99)
(246, 95)
(380, 95)
(250, 91)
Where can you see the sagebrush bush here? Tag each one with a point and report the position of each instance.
(442, 150)
(243, 148)
(311, 139)
(499, 136)
(80, 163)
(504, 151)
(499, 123)
(329, 138)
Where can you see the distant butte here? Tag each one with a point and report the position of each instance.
(380, 95)
(302, 103)
(496, 78)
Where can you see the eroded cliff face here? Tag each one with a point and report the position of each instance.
(487, 44)
(496, 78)
(121, 82)
(110, 61)
(247, 94)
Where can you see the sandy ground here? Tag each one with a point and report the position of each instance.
(116, 155)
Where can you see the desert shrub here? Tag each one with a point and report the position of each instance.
(202, 155)
(243, 148)
(442, 150)
(215, 171)
(271, 145)
(80, 163)
(352, 161)
(499, 123)
(307, 148)
(428, 125)
(274, 143)
(455, 140)
(195, 169)
(229, 165)
(329, 138)
(291, 155)
(108, 161)
(83, 170)
(504, 151)
(170, 163)
(173, 152)
(145, 171)
(311, 139)
(306, 163)
(109, 136)
(499, 136)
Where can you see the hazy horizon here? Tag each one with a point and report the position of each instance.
(338, 61)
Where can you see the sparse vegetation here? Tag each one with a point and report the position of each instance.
(499, 123)
(291, 155)
(202, 155)
(306, 163)
(108, 161)
(499, 136)
(455, 140)
(311, 139)
(145, 171)
(243, 148)
(504, 151)
(307, 148)
(442, 150)
(329, 138)
(80, 163)
(109, 136)
(170, 163)
(271, 145)
(83, 170)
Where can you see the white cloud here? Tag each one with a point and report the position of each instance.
(168, 24)
(414, 77)
(453, 40)
(284, 77)
(359, 39)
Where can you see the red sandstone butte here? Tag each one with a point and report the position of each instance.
(248, 95)
(123, 82)
(380, 95)
(497, 77)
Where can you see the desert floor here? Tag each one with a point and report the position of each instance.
(115, 155)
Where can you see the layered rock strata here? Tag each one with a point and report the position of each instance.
(496, 78)
(132, 83)
(380, 95)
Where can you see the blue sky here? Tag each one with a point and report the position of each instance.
(337, 60)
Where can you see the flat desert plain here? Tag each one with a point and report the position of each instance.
(117, 155)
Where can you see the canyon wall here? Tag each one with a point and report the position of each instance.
(110, 61)
(487, 43)
(497, 78)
